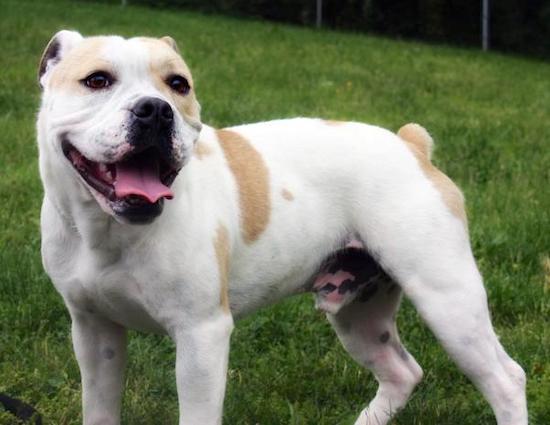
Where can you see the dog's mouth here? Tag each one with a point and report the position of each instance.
(140, 179)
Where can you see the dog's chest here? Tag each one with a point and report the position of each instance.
(125, 293)
(123, 286)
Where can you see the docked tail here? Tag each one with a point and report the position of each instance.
(419, 137)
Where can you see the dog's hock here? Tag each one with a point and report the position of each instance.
(60, 44)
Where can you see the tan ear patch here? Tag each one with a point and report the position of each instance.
(252, 177)
(82, 60)
(221, 246)
(171, 42)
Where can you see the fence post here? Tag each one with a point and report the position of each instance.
(319, 20)
(485, 25)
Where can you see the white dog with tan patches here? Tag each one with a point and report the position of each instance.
(155, 222)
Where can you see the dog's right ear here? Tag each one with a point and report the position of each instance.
(60, 44)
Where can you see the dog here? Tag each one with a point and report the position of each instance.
(154, 221)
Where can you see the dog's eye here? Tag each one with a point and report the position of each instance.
(179, 84)
(98, 80)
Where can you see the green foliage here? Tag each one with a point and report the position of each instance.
(489, 116)
(515, 25)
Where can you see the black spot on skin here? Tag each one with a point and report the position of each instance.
(329, 287)
(385, 337)
(108, 353)
(348, 285)
(368, 293)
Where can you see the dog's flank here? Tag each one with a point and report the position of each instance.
(237, 219)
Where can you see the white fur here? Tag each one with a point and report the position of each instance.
(163, 277)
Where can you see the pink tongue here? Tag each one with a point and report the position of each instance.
(140, 177)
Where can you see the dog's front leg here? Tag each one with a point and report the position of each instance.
(201, 367)
(100, 348)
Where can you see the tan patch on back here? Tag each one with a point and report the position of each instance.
(419, 142)
(78, 64)
(221, 246)
(287, 194)
(334, 123)
(202, 150)
(252, 178)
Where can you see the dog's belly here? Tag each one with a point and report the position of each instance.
(336, 278)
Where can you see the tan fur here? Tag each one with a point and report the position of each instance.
(420, 143)
(165, 62)
(334, 123)
(221, 246)
(78, 64)
(252, 178)
(419, 137)
(202, 150)
(171, 42)
(287, 194)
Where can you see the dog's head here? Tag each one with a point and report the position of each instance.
(119, 117)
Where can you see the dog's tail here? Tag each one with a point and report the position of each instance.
(419, 137)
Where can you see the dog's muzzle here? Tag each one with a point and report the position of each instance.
(135, 186)
(152, 125)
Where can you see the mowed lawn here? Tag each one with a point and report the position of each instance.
(489, 115)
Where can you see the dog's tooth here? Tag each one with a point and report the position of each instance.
(103, 168)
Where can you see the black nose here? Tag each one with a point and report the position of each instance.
(151, 112)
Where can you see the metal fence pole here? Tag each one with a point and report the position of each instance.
(485, 25)
(319, 21)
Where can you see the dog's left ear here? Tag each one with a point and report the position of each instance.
(60, 44)
(171, 42)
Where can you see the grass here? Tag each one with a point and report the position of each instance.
(489, 116)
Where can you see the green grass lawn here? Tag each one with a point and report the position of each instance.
(489, 114)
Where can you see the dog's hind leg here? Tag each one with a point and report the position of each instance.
(450, 296)
(427, 251)
(367, 329)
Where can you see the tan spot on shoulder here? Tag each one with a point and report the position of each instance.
(221, 246)
(287, 194)
(202, 150)
(252, 177)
